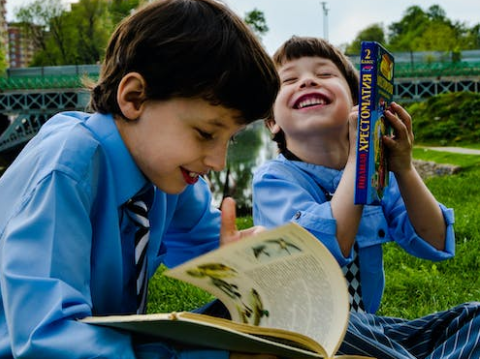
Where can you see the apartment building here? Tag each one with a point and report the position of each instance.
(20, 47)
(3, 28)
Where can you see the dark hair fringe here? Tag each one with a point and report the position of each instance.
(191, 49)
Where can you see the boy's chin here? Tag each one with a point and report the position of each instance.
(170, 188)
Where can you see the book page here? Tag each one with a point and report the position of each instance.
(282, 278)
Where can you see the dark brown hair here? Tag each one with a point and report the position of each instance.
(297, 47)
(189, 48)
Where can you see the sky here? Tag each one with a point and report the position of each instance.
(344, 19)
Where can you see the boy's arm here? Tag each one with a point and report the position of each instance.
(422, 208)
(45, 276)
(282, 194)
(346, 213)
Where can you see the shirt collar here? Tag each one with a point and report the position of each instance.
(128, 178)
(328, 178)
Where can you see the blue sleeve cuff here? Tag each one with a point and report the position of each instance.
(416, 246)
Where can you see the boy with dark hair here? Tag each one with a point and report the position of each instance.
(311, 182)
(96, 202)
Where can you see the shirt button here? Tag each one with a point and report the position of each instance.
(297, 215)
(381, 233)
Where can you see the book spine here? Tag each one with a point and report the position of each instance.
(366, 106)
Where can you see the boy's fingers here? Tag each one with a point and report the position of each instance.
(402, 115)
(229, 216)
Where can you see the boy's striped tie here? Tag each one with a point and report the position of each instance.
(137, 209)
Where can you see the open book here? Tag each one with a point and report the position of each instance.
(285, 292)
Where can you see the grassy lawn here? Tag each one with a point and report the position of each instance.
(414, 287)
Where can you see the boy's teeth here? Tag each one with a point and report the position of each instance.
(193, 174)
(311, 102)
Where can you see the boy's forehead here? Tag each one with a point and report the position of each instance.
(292, 64)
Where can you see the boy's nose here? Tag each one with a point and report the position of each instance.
(216, 158)
(309, 81)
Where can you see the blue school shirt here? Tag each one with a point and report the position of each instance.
(285, 190)
(64, 254)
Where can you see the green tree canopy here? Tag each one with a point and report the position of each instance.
(256, 20)
(79, 36)
(3, 63)
(373, 32)
(421, 30)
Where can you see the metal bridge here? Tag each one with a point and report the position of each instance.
(29, 96)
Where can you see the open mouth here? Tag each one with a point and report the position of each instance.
(190, 177)
(311, 100)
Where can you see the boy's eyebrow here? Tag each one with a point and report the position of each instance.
(286, 68)
(320, 61)
(216, 122)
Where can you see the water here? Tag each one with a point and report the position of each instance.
(252, 147)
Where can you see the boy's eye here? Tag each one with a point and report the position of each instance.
(205, 135)
(289, 80)
(324, 74)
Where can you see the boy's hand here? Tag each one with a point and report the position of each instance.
(399, 145)
(228, 231)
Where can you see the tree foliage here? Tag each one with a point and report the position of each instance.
(256, 20)
(422, 30)
(373, 32)
(39, 18)
(3, 66)
(448, 119)
(78, 36)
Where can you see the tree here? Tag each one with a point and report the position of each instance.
(119, 9)
(64, 37)
(374, 32)
(473, 37)
(3, 64)
(256, 20)
(36, 19)
(404, 33)
(94, 26)
(429, 30)
(421, 30)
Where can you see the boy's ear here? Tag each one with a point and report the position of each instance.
(131, 95)
(272, 125)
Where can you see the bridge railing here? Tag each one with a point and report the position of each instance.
(61, 77)
(437, 69)
(45, 82)
(48, 77)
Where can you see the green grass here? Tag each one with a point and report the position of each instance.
(464, 161)
(414, 287)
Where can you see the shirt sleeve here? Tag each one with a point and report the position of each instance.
(402, 231)
(45, 272)
(195, 226)
(280, 197)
